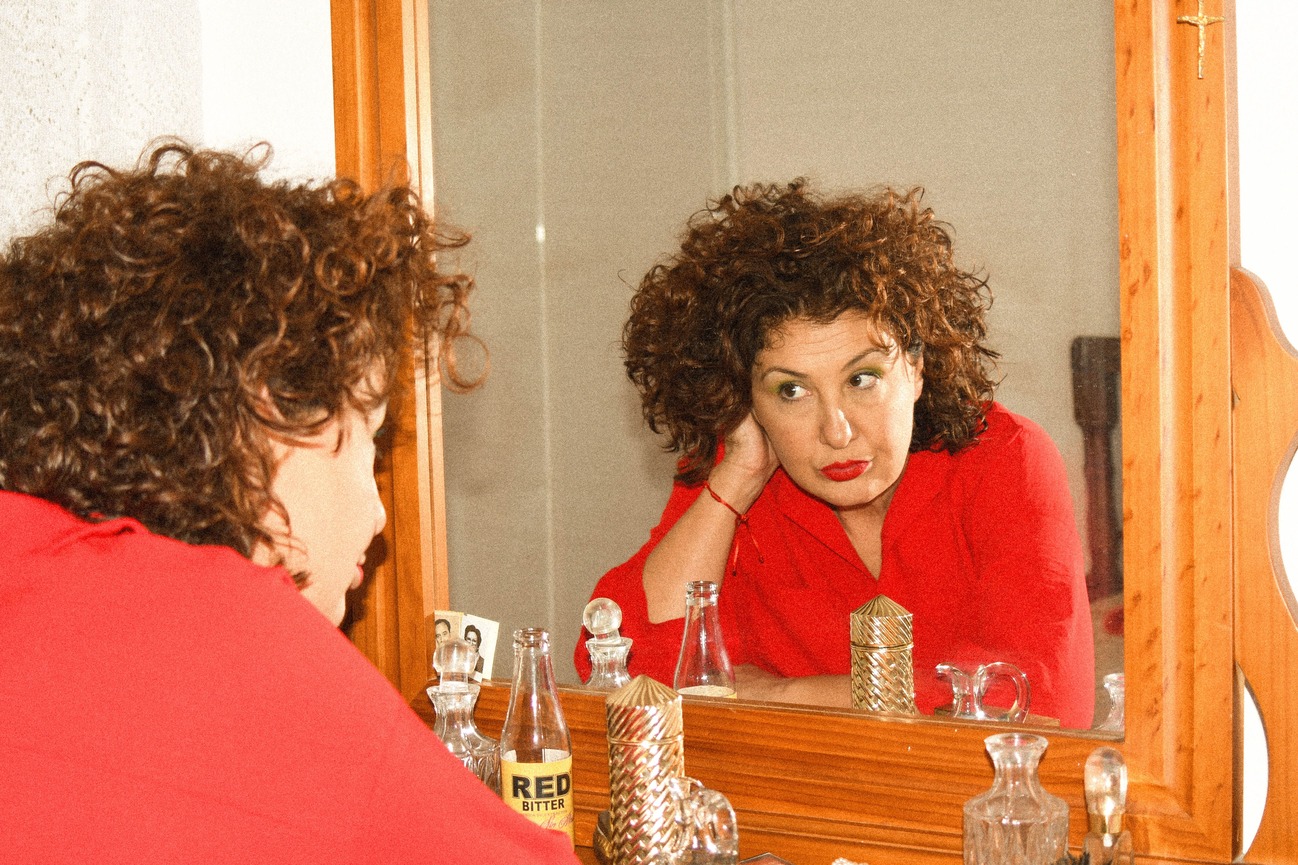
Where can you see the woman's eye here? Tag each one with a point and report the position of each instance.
(790, 390)
(863, 380)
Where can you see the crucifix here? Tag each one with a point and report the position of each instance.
(1201, 21)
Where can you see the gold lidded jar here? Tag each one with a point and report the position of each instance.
(646, 751)
(883, 674)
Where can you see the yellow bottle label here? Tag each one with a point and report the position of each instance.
(541, 792)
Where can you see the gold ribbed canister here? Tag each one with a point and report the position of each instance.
(883, 676)
(646, 749)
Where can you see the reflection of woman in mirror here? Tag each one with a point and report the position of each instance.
(195, 364)
(820, 365)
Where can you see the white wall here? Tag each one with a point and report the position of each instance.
(98, 79)
(1268, 126)
(268, 75)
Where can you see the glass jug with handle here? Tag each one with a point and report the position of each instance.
(706, 831)
(968, 690)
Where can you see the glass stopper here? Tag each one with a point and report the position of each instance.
(602, 617)
(1105, 780)
(455, 661)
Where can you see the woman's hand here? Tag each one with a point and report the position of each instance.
(754, 683)
(748, 464)
(696, 548)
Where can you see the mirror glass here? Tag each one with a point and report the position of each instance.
(573, 140)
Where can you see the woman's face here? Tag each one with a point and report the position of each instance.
(837, 403)
(326, 485)
(472, 637)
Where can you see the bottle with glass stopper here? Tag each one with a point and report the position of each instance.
(535, 748)
(453, 699)
(703, 668)
(608, 649)
(1105, 778)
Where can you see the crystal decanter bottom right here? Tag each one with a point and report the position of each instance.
(1016, 822)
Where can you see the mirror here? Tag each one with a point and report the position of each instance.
(604, 131)
(574, 139)
(878, 790)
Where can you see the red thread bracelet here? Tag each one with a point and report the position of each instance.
(739, 518)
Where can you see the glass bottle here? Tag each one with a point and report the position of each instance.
(535, 748)
(1106, 842)
(453, 699)
(1016, 822)
(608, 649)
(1116, 685)
(703, 668)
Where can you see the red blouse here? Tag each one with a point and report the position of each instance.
(980, 546)
(173, 703)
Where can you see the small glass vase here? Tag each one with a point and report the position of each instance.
(1016, 822)
(1116, 686)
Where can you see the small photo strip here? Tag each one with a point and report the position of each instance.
(482, 632)
(441, 626)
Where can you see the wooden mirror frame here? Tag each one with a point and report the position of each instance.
(813, 785)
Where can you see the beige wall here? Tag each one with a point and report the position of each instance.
(608, 123)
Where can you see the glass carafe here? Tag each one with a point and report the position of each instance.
(1016, 822)
(453, 699)
(703, 669)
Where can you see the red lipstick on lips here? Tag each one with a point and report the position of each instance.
(845, 471)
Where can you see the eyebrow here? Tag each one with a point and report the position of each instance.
(860, 358)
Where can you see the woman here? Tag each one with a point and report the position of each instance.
(820, 365)
(194, 370)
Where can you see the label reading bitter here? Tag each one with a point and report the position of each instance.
(541, 792)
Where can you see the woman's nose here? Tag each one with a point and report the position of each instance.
(835, 429)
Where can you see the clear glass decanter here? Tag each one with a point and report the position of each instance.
(1016, 822)
(1116, 685)
(608, 649)
(453, 699)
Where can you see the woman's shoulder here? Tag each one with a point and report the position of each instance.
(1007, 431)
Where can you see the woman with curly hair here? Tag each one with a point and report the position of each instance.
(819, 362)
(194, 369)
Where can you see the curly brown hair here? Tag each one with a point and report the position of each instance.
(175, 315)
(766, 254)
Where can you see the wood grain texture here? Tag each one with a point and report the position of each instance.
(1264, 373)
(815, 786)
(374, 58)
